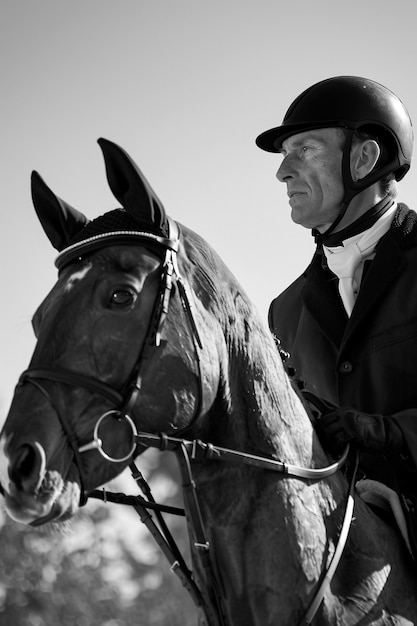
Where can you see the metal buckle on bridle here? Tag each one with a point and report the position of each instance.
(97, 442)
(166, 283)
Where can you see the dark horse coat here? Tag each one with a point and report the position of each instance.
(368, 362)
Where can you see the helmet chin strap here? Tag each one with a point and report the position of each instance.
(352, 188)
(350, 191)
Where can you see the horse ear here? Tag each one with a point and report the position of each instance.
(59, 220)
(130, 186)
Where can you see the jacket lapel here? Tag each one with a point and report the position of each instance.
(322, 300)
(381, 274)
(320, 293)
(384, 269)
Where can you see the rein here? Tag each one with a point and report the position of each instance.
(196, 450)
(186, 451)
(199, 451)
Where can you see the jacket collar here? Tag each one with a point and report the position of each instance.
(320, 292)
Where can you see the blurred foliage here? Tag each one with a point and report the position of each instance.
(102, 568)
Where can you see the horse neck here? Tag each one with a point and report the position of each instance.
(259, 521)
(263, 526)
(263, 412)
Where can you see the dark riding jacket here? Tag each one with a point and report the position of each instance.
(368, 361)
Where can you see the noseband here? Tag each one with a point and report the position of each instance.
(126, 399)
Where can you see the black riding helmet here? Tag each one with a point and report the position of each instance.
(356, 104)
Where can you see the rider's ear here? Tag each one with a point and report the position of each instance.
(363, 158)
(59, 220)
(130, 186)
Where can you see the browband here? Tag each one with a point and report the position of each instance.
(113, 238)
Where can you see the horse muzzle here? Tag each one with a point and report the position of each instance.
(32, 493)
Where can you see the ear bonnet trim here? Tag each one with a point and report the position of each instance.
(120, 237)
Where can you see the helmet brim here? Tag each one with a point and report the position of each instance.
(271, 140)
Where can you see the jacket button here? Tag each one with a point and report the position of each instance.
(346, 367)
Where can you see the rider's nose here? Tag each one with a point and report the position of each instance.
(286, 170)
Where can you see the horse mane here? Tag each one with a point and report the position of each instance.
(261, 398)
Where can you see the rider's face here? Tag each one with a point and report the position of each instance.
(312, 171)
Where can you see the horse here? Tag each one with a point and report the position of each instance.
(147, 336)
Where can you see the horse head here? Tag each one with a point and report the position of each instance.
(109, 359)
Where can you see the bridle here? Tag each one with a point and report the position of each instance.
(125, 399)
(187, 451)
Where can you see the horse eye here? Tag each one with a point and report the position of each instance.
(122, 298)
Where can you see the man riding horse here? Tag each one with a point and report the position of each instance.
(349, 323)
(147, 337)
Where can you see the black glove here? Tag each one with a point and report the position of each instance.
(371, 433)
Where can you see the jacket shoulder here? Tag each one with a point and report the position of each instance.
(404, 225)
(285, 309)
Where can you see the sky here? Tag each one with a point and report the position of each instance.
(184, 86)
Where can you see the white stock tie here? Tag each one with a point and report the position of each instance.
(346, 261)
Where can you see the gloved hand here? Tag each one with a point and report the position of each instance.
(372, 433)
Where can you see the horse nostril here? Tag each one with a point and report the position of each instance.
(24, 461)
(27, 468)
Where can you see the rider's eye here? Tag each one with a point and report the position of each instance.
(122, 298)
